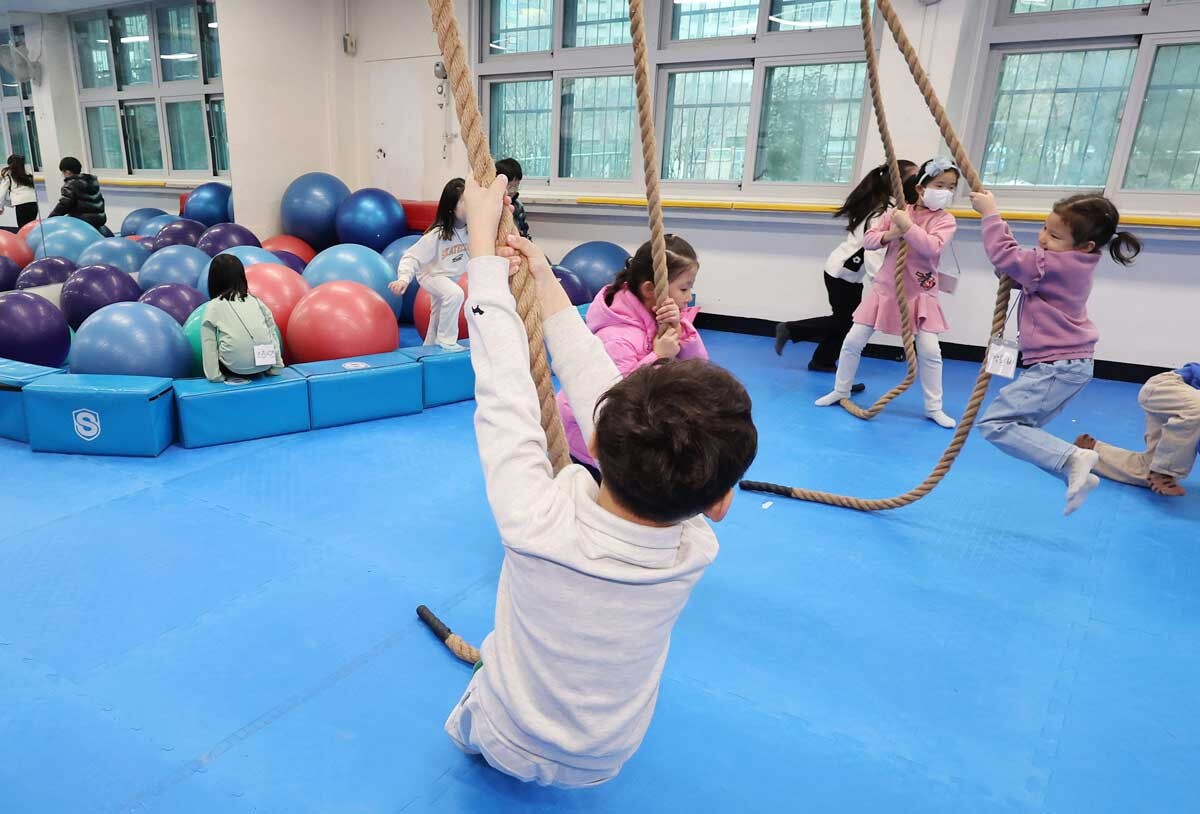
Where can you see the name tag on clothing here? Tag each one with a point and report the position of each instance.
(264, 354)
(1002, 357)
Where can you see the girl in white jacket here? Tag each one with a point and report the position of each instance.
(437, 260)
(16, 185)
(845, 270)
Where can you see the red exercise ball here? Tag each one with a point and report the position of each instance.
(24, 231)
(288, 243)
(424, 301)
(340, 319)
(279, 288)
(15, 249)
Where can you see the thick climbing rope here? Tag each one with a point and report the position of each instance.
(999, 315)
(483, 167)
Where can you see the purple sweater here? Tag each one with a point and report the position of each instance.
(1053, 318)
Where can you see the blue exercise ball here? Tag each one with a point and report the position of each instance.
(309, 208)
(69, 240)
(249, 255)
(52, 226)
(152, 227)
(124, 254)
(358, 264)
(131, 339)
(596, 264)
(370, 217)
(392, 255)
(10, 270)
(209, 204)
(577, 292)
(174, 264)
(137, 218)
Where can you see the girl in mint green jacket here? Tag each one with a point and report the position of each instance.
(238, 335)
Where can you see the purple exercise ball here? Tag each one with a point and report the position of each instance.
(90, 288)
(290, 260)
(9, 272)
(176, 299)
(46, 271)
(223, 236)
(182, 232)
(32, 330)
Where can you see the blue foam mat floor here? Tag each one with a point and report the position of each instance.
(232, 630)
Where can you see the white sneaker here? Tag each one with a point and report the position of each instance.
(831, 398)
(1080, 480)
(941, 419)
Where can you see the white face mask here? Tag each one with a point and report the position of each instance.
(937, 198)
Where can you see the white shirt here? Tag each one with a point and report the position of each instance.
(586, 600)
(872, 261)
(19, 194)
(434, 255)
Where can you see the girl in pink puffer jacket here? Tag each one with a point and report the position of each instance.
(624, 317)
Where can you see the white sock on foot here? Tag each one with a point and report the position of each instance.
(941, 419)
(1080, 480)
(831, 398)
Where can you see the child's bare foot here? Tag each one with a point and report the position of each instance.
(1085, 441)
(1165, 485)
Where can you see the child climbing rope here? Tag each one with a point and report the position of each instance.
(624, 317)
(1057, 340)
(594, 577)
(438, 259)
(1172, 404)
(926, 226)
(846, 268)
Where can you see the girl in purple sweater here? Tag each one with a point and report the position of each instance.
(1056, 337)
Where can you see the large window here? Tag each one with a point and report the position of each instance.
(1093, 95)
(149, 77)
(745, 95)
(16, 106)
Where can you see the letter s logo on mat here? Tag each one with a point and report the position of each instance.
(87, 424)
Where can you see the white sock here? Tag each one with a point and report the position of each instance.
(831, 398)
(1080, 480)
(941, 419)
(451, 346)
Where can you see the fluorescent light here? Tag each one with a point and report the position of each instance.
(177, 56)
(103, 41)
(212, 25)
(141, 38)
(796, 24)
(497, 46)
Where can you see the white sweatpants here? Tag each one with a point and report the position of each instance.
(929, 363)
(443, 311)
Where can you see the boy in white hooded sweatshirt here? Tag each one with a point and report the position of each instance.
(594, 576)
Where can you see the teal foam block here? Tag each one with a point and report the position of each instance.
(213, 413)
(447, 375)
(362, 388)
(14, 376)
(100, 415)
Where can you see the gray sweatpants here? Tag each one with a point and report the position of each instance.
(1172, 433)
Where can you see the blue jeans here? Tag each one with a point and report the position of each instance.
(1015, 419)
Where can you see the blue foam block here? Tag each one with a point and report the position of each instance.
(14, 376)
(100, 415)
(362, 388)
(448, 376)
(213, 413)
(583, 309)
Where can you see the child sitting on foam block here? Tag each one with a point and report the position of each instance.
(238, 335)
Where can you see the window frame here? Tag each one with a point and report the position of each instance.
(1144, 28)
(91, 159)
(635, 143)
(485, 107)
(159, 92)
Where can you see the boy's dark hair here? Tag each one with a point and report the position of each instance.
(510, 168)
(640, 268)
(872, 196)
(443, 221)
(1093, 217)
(70, 164)
(227, 278)
(673, 438)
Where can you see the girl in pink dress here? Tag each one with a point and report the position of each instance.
(926, 226)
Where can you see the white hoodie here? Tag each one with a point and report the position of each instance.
(434, 255)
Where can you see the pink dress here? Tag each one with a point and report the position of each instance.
(931, 230)
(627, 329)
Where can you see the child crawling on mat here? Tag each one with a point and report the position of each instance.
(594, 577)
